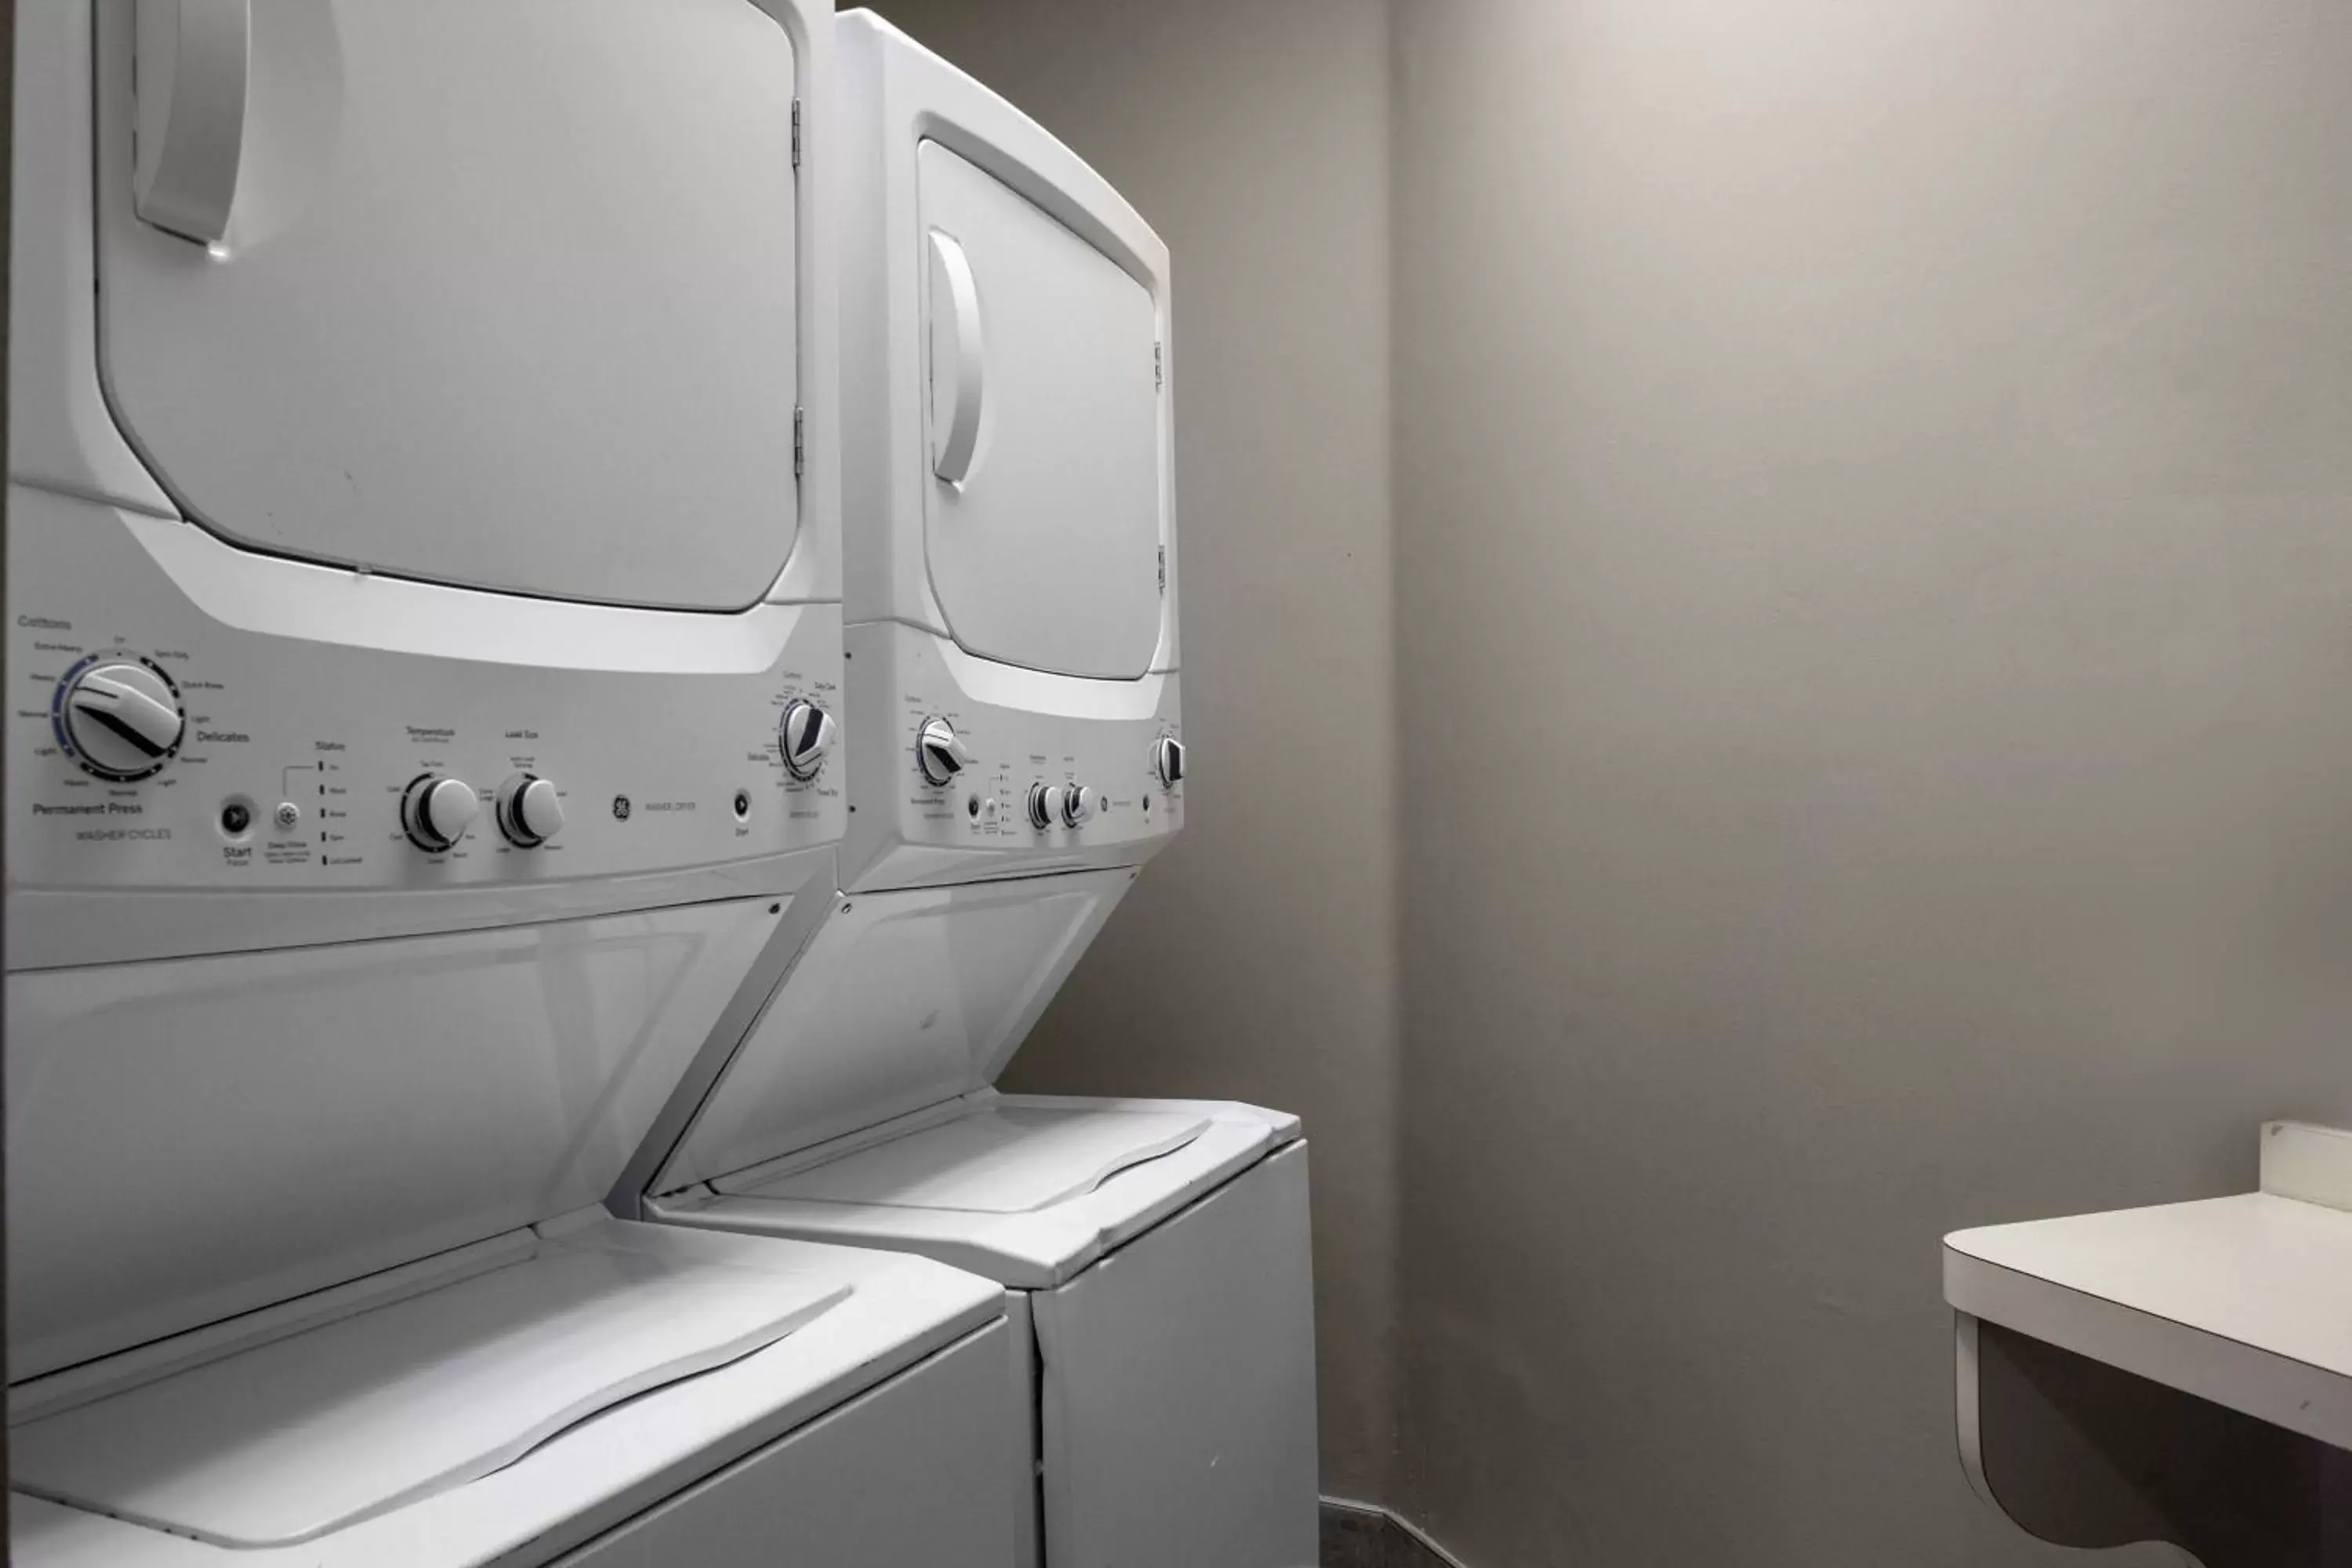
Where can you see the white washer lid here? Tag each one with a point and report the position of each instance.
(304, 1434)
(192, 1139)
(1006, 1158)
(901, 1002)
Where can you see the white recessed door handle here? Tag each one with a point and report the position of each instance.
(194, 58)
(957, 363)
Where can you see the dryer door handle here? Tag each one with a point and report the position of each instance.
(192, 66)
(958, 361)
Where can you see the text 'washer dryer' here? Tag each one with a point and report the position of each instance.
(1018, 755)
(427, 648)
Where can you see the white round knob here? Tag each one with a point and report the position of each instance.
(530, 813)
(122, 719)
(1046, 803)
(1079, 803)
(939, 751)
(1168, 761)
(436, 811)
(804, 735)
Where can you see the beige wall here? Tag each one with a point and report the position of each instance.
(1256, 959)
(1874, 534)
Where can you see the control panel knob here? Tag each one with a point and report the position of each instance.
(1168, 761)
(1079, 803)
(1046, 803)
(939, 751)
(437, 810)
(805, 736)
(122, 719)
(529, 812)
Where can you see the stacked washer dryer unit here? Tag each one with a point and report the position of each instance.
(1017, 754)
(424, 625)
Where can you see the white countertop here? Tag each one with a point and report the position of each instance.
(2244, 1300)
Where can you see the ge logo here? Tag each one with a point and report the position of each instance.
(620, 808)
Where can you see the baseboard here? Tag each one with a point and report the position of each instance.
(1362, 1535)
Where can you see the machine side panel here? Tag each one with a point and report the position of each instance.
(1215, 1307)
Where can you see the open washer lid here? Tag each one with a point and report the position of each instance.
(899, 1002)
(190, 1140)
(313, 1433)
(502, 296)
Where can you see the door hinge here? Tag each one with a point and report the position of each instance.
(796, 134)
(800, 441)
(1157, 372)
(1164, 571)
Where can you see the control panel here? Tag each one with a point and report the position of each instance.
(963, 769)
(983, 798)
(154, 746)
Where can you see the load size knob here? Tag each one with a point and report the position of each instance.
(940, 752)
(122, 719)
(529, 813)
(803, 736)
(1079, 803)
(1046, 805)
(436, 810)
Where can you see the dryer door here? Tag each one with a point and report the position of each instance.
(494, 295)
(1043, 524)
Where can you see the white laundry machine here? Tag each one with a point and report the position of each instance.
(1017, 756)
(1157, 1251)
(423, 594)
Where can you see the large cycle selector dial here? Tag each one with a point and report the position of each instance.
(939, 751)
(1168, 761)
(438, 809)
(804, 735)
(529, 812)
(120, 717)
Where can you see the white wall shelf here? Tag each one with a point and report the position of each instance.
(2243, 1302)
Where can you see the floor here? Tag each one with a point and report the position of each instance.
(1359, 1537)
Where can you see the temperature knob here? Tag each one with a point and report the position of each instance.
(437, 810)
(1168, 761)
(529, 812)
(805, 736)
(939, 751)
(1079, 804)
(1046, 803)
(122, 719)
